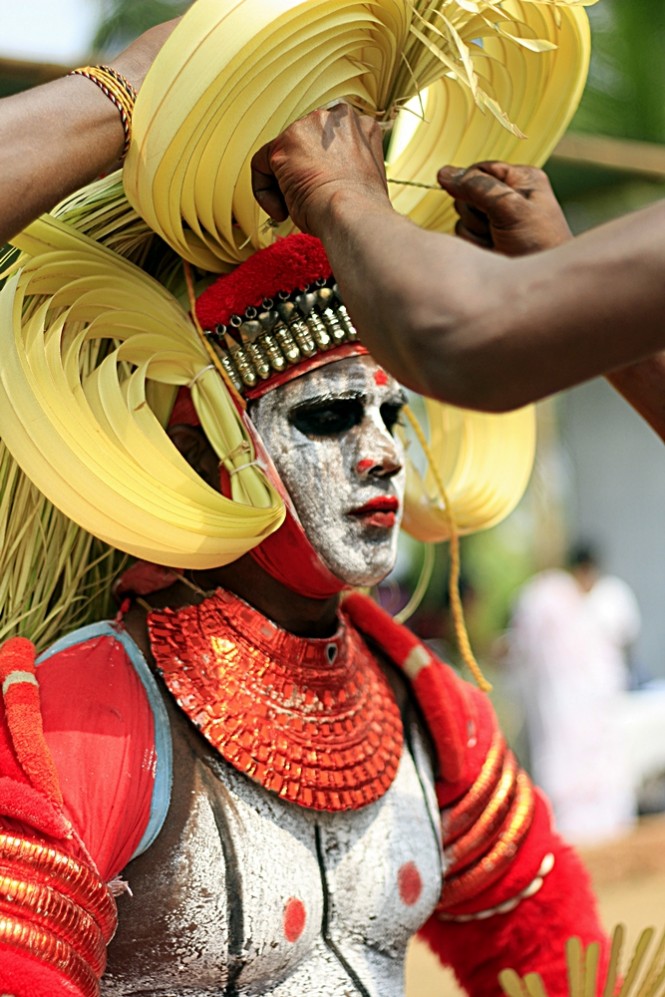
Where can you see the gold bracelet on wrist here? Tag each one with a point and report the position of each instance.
(119, 91)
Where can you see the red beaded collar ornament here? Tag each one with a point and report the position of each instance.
(314, 721)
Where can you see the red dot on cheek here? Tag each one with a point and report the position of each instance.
(380, 378)
(410, 884)
(295, 917)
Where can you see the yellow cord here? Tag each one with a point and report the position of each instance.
(461, 633)
(191, 294)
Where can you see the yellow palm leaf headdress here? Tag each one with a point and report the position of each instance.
(462, 80)
(95, 349)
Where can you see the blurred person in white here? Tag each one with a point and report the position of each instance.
(570, 634)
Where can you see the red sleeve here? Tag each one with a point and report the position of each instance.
(57, 913)
(529, 939)
(99, 726)
(513, 892)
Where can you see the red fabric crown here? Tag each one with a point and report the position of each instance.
(288, 265)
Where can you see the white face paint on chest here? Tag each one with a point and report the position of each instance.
(267, 898)
(330, 436)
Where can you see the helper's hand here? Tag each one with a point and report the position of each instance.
(135, 61)
(510, 209)
(328, 152)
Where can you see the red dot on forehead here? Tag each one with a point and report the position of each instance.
(380, 378)
(295, 916)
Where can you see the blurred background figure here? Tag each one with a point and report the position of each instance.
(568, 649)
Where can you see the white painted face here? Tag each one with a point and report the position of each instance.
(330, 435)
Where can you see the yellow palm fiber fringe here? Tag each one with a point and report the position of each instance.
(643, 978)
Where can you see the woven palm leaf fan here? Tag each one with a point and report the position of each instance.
(644, 974)
(95, 349)
(91, 435)
(488, 79)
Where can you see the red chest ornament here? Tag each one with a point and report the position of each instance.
(314, 721)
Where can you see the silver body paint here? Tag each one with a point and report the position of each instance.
(244, 855)
(321, 473)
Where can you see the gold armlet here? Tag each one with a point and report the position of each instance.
(462, 815)
(55, 909)
(480, 857)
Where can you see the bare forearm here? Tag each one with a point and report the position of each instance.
(413, 295)
(57, 137)
(643, 387)
(53, 139)
(486, 332)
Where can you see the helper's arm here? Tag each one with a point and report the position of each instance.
(512, 210)
(450, 320)
(57, 137)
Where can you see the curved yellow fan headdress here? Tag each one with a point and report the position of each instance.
(96, 354)
(85, 424)
(486, 79)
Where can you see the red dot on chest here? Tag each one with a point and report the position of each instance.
(295, 917)
(410, 884)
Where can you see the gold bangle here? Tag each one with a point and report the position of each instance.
(56, 910)
(119, 91)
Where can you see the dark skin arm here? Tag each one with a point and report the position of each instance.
(57, 137)
(496, 332)
(513, 210)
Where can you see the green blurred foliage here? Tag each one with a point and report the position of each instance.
(624, 94)
(623, 99)
(123, 20)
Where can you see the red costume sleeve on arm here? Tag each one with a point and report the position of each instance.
(58, 914)
(497, 835)
(99, 726)
(531, 936)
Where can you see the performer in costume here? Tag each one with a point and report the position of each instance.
(279, 788)
(320, 731)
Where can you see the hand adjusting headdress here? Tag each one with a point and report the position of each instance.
(95, 349)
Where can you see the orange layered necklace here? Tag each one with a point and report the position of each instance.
(313, 720)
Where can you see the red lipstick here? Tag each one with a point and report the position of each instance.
(380, 511)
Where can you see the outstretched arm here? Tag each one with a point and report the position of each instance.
(512, 210)
(57, 137)
(473, 328)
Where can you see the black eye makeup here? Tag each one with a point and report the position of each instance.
(327, 417)
(391, 412)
